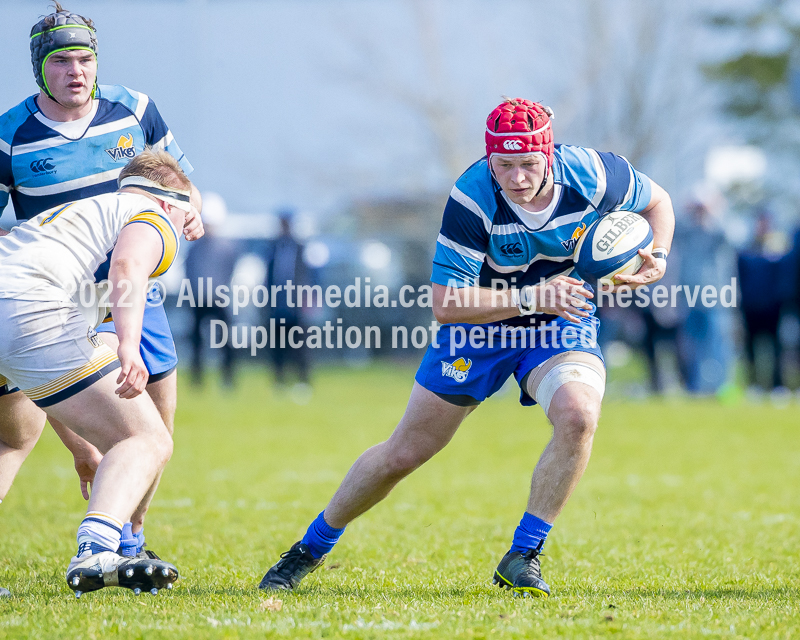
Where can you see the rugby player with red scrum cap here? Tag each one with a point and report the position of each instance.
(503, 271)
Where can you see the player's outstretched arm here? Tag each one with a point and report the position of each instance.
(136, 255)
(661, 217)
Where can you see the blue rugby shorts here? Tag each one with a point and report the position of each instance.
(461, 367)
(157, 346)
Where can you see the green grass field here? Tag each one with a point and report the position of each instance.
(685, 525)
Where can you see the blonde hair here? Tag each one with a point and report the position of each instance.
(158, 166)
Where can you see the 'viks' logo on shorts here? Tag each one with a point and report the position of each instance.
(124, 149)
(458, 370)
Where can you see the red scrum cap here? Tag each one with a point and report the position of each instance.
(518, 126)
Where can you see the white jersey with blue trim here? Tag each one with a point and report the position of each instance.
(49, 257)
(44, 164)
(486, 238)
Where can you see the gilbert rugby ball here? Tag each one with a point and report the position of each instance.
(610, 246)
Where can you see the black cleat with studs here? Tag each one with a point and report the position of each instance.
(108, 569)
(521, 574)
(147, 574)
(294, 565)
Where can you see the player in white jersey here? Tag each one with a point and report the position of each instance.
(67, 143)
(512, 219)
(52, 353)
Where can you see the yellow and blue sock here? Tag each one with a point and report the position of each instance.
(321, 536)
(530, 534)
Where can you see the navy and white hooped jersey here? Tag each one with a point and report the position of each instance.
(486, 238)
(45, 164)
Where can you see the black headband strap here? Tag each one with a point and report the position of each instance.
(161, 192)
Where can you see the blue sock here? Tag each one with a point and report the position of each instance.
(530, 533)
(321, 536)
(128, 543)
(139, 541)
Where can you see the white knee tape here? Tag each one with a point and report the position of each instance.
(568, 372)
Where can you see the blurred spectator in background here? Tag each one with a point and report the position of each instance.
(765, 283)
(792, 266)
(212, 258)
(285, 263)
(705, 257)
(661, 326)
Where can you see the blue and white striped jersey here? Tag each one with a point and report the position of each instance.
(41, 167)
(485, 237)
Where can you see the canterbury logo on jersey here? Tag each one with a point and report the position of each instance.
(511, 249)
(458, 370)
(124, 149)
(42, 165)
(569, 245)
(512, 145)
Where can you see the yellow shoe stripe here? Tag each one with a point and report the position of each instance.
(538, 592)
(504, 579)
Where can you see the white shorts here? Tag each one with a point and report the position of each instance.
(48, 350)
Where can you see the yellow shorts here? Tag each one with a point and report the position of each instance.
(48, 350)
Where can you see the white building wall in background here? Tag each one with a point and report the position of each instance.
(316, 102)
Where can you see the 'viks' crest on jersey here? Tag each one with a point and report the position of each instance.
(41, 168)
